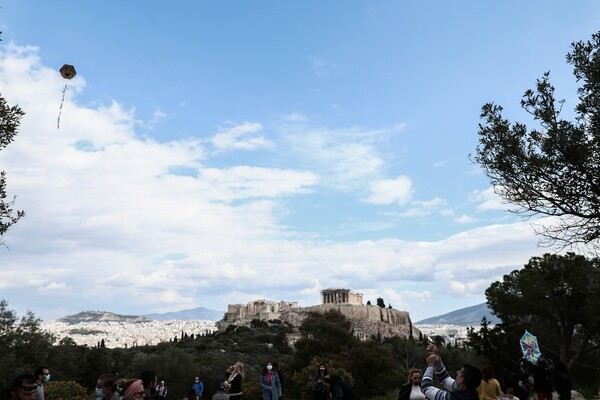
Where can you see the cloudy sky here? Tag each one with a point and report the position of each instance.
(212, 153)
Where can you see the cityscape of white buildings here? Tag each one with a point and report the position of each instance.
(126, 334)
(456, 335)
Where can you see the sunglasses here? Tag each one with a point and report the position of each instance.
(29, 389)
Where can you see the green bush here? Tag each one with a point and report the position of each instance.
(65, 390)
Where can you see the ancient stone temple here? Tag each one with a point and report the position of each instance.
(344, 296)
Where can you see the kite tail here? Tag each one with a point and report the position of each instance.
(61, 106)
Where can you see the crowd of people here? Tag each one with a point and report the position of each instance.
(474, 384)
(470, 383)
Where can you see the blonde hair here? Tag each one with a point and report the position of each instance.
(239, 367)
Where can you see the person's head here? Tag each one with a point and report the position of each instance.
(149, 379)
(106, 385)
(469, 377)
(42, 374)
(510, 392)
(487, 373)
(239, 368)
(414, 376)
(162, 383)
(323, 369)
(134, 390)
(221, 387)
(268, 367)
(197, 379)
(23, 387)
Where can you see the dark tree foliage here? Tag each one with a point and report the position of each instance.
(380, 302)
(23, 346)
(556, 298)
(552, 169)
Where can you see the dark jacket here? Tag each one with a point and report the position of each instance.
(340, 390)
(405, 391)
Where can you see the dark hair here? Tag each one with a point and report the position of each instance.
(487, 373)
(109, 380)
(472, 376)
(509, 390)
(23, 379)
(39, 371)
(147, 377)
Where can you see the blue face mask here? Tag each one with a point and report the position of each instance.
(46, 378)
(99, 393)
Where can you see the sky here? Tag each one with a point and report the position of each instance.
(213, 153)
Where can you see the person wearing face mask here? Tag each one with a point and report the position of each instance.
(412, 389)
(320, 390)
(270, 383)
(106, 387)
(42, 375)
(198, 388)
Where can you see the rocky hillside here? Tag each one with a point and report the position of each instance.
(100, 316)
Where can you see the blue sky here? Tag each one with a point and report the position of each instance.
(219, 152)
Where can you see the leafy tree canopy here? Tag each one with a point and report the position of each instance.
(556, 298)
(553, 169)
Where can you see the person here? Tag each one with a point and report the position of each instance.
(198, 387)
(134, 390)
(339, 389)
(489, 389)
(42, 375)
(269, 382)
(161, 390)
(320, 390)
(235, 376)
(106, 387)
(543, 371)
(412, 389)
(221, 393)
(510, 394)
(562, 382)
(149, 379)
(23, 387)
(464, 387)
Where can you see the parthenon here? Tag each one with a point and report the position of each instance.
(343, 296)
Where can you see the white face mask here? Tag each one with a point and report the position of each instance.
(269, 367)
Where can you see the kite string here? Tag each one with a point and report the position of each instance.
(61, 106)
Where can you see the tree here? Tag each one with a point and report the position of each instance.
(555, 297)
(380, 302)
(554, 169)
(10, 119)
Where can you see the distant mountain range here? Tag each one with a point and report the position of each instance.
(199, 313)
(469, 316)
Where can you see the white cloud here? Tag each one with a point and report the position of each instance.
(388, 191)
(241, 137)
(321, 66)
(488, 200)
(105, 207)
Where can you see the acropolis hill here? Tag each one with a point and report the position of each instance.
(367, 320)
